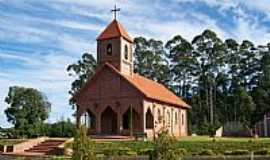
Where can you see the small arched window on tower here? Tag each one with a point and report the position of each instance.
(109, 49)
(126, 52)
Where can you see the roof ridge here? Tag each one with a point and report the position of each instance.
(114, 30)
(118, 27)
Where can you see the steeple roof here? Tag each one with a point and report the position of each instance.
(114, 30)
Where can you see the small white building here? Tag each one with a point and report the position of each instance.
(262, 128)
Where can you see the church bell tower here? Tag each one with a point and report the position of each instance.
(114, 46)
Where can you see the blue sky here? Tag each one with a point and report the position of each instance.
(39, 38)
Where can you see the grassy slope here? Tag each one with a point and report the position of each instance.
(222, 139)
(196, 144)
(219, 145)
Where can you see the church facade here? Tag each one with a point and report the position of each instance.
(115, 100)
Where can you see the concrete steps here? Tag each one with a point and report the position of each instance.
(45, 147)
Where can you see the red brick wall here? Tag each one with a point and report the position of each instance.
(110, 89)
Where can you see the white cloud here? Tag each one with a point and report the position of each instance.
(261, 5)
(246, 26)
(251, 30)
(80, 25)
(165, 30)
(68, 42)
(75, 45)
(3, 120)
(224, 4)
(14, 57)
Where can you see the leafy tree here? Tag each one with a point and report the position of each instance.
(249, 64)
(183, 65)
(210, 52)
(27, 110)
(233, 80)
(150, 60)
(261, 93)
(243, 63)
(61, 129)
(81, 70)
(245, 105)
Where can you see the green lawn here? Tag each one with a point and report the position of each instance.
(195, 145)
(220, 145)
(222, 139)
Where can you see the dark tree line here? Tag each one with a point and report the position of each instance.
(223, 80)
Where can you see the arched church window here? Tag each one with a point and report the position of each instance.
(159, 116)
(183, 120)
(149, 120)
(168, 118)
(176, 118)
(109, 49)
(126, 52)
(88, 120)
(85, 119)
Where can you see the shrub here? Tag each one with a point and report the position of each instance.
(145, 151)
(112, 151)
(237, 152)
(227, 152)
(131, 153)
(181, 151)
(83, 147)
(165, 147)
(262, 152)
(60, 129)
(207, 152)
(123, 151)
(241, 152)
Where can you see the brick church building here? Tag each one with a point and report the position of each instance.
(115, 99)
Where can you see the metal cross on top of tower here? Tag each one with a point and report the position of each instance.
(115, 10)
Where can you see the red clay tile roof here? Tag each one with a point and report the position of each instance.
(114, 30)
(152, 89)
(156, 91)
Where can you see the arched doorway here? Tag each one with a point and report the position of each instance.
(108, 121)
(149, 119)
(127, 125)
(88, 119)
